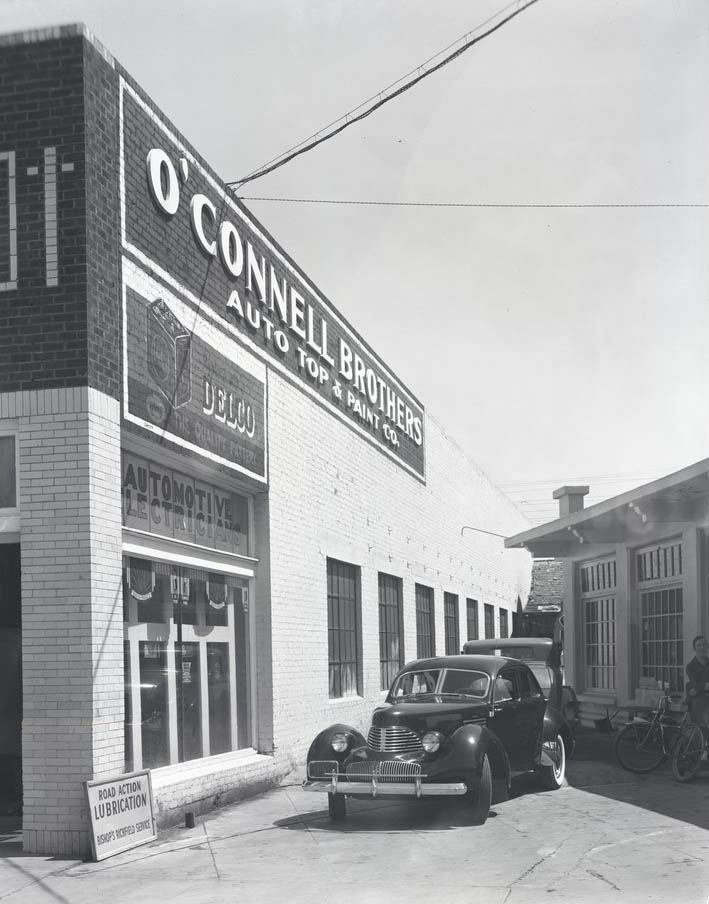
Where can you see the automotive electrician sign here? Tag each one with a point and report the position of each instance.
(182, 224)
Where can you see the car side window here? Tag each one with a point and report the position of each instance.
(505, 688)
(528, 687)
(534, 685)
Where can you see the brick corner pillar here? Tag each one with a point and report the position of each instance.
(72, 616)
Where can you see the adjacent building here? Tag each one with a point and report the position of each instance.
(225, 522)
(635, 587)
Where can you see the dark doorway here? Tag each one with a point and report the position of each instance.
(10, 682)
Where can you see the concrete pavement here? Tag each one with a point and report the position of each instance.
(606, 835)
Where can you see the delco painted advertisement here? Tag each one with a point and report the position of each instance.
(186, 381)
(186, 228)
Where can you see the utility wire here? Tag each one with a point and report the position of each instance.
(466, 204)
(318, 138)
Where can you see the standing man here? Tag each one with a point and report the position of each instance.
(698, 684)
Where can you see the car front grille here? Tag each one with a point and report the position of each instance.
(320, 769)
(383, 771)
(393, 739)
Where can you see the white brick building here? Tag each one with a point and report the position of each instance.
(234, 522)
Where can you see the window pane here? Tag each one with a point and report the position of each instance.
(127, 699)
(8, 475)
(219, 698)
(343, 629)
(153, 704)
(189, 700)
(150, 590)
(390, 642)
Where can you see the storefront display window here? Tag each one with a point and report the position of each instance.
(186, 663)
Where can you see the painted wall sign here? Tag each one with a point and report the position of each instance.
(190, 384)
(120, 813)
(162, 501)
(183, 224)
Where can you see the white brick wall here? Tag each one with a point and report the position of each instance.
(72, 632)
(333, 495)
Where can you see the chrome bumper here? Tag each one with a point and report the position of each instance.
(376, 787)
(385, 778)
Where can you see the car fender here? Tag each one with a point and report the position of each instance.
(321, 748)
(555, 724)
(473, 741)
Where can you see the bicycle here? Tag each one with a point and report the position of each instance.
(644, 744)
(690, 751)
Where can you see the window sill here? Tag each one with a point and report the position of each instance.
(164, 776)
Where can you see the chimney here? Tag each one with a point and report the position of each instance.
(570, 499)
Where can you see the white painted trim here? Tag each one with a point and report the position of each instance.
(162, 549)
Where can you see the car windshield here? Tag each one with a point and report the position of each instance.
(456, 682)
(416, 682)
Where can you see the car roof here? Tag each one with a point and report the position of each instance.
(481, 662)
(541, 648)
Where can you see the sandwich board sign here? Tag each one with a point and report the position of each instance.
(120, 813)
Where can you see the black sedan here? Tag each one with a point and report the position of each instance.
(450, 725)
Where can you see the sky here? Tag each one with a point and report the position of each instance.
(554, 345)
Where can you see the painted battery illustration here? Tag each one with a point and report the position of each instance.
(169, 354)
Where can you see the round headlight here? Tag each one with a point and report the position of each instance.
(431, 741)
(339, 742)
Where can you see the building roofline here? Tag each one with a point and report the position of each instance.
(624, 500)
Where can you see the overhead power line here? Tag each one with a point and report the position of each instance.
(514, 206)
(382, 97)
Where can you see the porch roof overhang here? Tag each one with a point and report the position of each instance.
(673, 501)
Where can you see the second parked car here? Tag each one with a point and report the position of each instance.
(544, 657)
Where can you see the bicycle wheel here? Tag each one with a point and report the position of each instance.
(687, 753)
(638, 747)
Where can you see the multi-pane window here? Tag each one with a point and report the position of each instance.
(517, 619)
(504, 631)
(489, 620)
(425, 624)
(343, 629)
(391, 645)
(599, 633)
(659, 574)
(471, 609)
(659, 563)
(598, 582)
(450, 621)
(661, 637)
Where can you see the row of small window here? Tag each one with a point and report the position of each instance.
(661, 562)
(343, 621)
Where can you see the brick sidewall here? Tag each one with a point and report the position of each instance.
(334, 495)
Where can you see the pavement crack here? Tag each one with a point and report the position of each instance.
(539, 862)
(592, 872)
(303, 820)
(211, 851)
